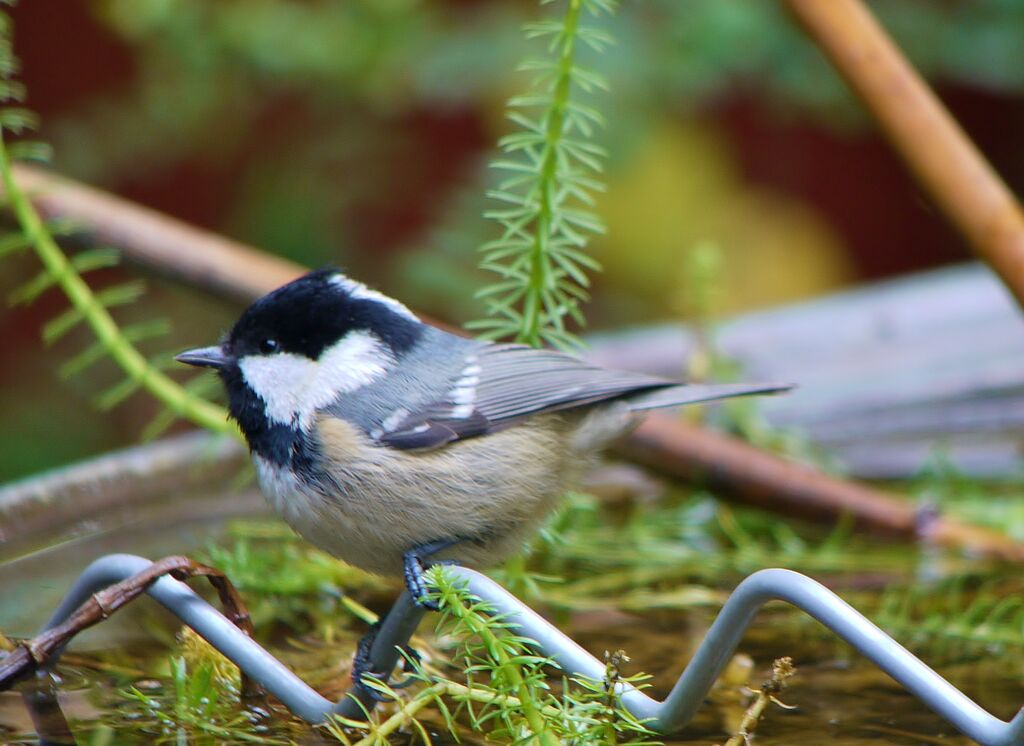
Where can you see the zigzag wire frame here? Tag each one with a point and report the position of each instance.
(668, 716)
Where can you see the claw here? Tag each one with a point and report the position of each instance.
(414, 567)
(416, 582)
(362, 668)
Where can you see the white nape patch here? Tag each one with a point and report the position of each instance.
(293, 387)
(358, 290)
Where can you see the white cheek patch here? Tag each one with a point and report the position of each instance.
(293, 387)
(357, 289)
(281, 381)
(357, 359)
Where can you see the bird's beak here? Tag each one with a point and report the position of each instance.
(204, 357)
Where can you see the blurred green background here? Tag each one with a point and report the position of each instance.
(358, 133)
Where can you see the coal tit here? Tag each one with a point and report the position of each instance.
(390, 443)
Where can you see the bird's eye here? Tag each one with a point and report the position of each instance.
(268, 346)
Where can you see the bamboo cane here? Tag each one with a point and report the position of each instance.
(922, 131)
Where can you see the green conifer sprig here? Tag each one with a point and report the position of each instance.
(90, 308)
(552, 169)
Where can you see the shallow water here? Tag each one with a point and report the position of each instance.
(837, 696)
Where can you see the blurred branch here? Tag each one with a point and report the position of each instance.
(747, 475)
(157, 241)
(56, 503)
(737, 471)
(923, 132)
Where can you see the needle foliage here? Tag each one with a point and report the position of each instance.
(551, 166)
(93, 309)
(503, 688)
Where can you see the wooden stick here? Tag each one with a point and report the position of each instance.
(922, 131)
(738, 471)
(157, 241)
(748, 475)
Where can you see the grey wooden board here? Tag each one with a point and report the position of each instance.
(887, 373)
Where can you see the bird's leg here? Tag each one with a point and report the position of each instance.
(362, 666)
(414, 563)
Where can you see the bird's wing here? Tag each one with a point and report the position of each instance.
(502, 384)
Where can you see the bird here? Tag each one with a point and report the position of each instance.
(393, 444)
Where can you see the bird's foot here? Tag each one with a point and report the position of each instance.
(414, 566)
(362, 666)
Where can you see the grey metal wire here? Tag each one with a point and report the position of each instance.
(668, 716)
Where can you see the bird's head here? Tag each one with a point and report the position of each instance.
(301, 346)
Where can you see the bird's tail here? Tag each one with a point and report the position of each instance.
(694, 393)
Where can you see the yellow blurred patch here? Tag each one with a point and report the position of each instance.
(682, 189)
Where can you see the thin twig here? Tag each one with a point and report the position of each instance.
(30, 655)
(782, 669)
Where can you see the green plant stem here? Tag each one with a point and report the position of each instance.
(531, 713)
(539, 266)
(124, 353)
(428, 696)
(359, 611)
